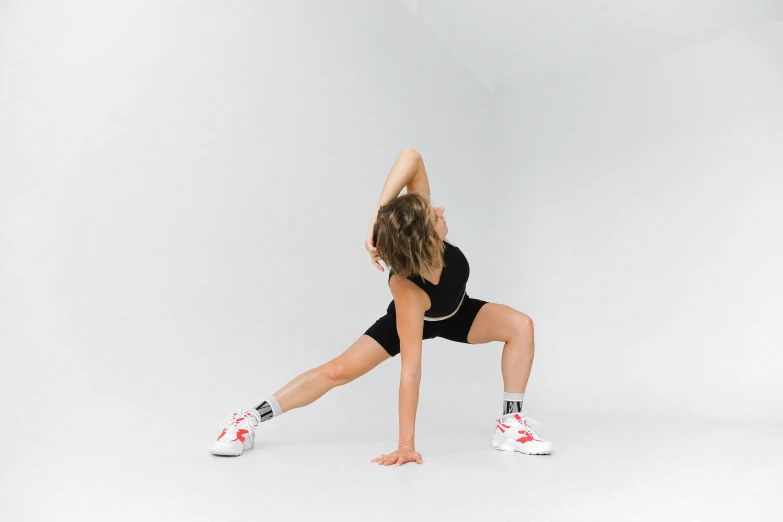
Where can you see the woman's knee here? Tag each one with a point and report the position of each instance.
(523, 324)
(337, 372)
(361, 357)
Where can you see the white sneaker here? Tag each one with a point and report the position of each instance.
(515, 432)
(239, 433)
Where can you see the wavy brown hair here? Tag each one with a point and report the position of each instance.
(405, 237)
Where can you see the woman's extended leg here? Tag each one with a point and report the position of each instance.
(239, 430)
(361, 357)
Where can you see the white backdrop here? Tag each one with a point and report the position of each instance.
(184, 195)
(185, 189)
(648, 204)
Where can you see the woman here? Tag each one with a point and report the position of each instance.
(427, 278)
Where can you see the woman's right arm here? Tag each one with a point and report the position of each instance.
(408, 171)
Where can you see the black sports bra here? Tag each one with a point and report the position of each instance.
(446, 296)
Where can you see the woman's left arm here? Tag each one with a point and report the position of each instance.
(409, 301)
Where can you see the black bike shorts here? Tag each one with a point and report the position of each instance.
(455, 328)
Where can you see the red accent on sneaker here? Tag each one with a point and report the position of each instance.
(240, 435)
(526, 437)
(222, 433)
(517, 417)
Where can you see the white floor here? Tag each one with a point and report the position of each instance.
(604, 470)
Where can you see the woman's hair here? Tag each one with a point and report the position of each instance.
(405, 237)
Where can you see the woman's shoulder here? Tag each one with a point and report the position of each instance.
(408, 294)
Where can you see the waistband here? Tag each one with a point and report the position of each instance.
(452, 313)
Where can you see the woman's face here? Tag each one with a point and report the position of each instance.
(441, 227)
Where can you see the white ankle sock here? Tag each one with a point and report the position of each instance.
(275, 405)
(269, 409)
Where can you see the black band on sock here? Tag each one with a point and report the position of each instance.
(265, 411)
(512, 407)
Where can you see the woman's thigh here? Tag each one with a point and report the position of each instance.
(497, 322)
(361, 357)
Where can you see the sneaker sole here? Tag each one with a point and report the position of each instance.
(512, 445)
(231, 449)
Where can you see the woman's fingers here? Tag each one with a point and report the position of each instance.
(398, 458)
(374, 258)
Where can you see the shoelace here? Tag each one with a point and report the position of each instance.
(527, 424)
(532, 427)
(238, 418)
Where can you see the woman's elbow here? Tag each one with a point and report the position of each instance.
(412, 375)
(410, 152)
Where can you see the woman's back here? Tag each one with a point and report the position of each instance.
(446, 295)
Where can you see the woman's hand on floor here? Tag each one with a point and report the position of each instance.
(399, 457)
